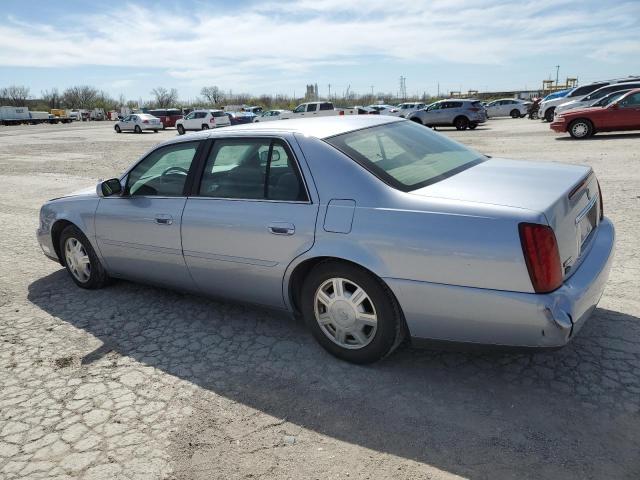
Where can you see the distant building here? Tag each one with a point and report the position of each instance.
(312, 92)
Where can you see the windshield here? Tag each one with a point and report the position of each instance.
(406, 155)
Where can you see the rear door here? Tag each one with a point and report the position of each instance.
(627, 115)
(138, 233)
(249, 216)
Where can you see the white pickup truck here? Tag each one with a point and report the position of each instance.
(316, 109)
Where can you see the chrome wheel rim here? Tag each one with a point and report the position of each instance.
(77, 259)
(345, 313)
(580, 129)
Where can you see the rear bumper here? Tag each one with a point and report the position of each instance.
(151, 126)
(493, 317)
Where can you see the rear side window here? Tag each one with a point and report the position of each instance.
(258, 169)
(587, 89)
(219, 114)
(312, 107)
(326, 106)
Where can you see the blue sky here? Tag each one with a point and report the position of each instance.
(279, 46)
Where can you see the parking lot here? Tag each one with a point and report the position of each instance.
(136, 382)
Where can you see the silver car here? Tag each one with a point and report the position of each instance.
(371, 228)
(461, 114)
(137, 122)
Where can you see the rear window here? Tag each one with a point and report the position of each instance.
(406, 155)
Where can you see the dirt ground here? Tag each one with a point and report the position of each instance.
(135, 382)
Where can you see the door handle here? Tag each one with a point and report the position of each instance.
(164, 219)
(282, 228)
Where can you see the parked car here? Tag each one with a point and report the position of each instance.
(370, 227)
(239, 118)
(385, 109)
(620, 115)
(138, 122)
(254, 110)
(507, 107)
(594, 96)
(202, 120)
(270, 115)
(168, 116)
(407, 108)
(462, 114)
(548, 107)
(316, 109)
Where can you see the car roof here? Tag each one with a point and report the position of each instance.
(319, 127)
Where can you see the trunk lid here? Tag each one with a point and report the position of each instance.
(567, 195)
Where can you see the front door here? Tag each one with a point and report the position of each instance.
(138, 233)
(627, 116)
(250, 216)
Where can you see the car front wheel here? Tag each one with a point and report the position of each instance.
(351, 313)
(80, 259)
(581, 128)
(473, 125)
(137, 129)
(180, 130)
(117, 129)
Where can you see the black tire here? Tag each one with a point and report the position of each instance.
(473, 125)
(548, 114)
(137, 129)
(98, 277)
(205, 126)
(461, 123)
(417, 120)
(155, 131)
(117, 129)
(390, 330)
(515, 113)
(581, 128)
(180, 130)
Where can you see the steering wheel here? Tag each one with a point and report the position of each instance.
(184, 171)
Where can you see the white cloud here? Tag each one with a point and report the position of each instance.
(288, 38)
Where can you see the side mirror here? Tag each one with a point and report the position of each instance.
(109, 187)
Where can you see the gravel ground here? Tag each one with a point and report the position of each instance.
(135, 382)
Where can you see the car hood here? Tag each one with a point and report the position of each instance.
(581, 111)
(511, 183)
(85, 192)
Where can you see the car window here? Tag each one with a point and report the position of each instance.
(312, 107)
(300, 109)
(219, 114)
(190, 116)
(405, 155)
(163, 172)
(586, 89)
(252, 169)
(326, 106)
(631, 101)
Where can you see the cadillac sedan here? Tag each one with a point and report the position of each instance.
(373, 229)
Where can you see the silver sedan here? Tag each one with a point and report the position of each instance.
(372, 229)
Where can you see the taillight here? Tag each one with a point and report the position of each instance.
(145, 121)
(474, 109)
(341, 112)
(601, 202)
(212, 120)
(541, 255)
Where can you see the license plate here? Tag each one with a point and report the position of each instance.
(588, 223)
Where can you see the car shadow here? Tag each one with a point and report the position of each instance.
(572, 413)
(601, 136)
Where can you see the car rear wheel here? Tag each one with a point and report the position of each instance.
(137, 129)
(205, 126)
(180, 130)
(515, 113)
(461, 123)
(117, 129)
(581, 128)
(81, 260)
(351, 313)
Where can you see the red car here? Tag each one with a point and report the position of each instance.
(623, 114)
(167, 116)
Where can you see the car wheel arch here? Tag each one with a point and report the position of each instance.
(56, 231)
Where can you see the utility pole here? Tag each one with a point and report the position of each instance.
(557, 71)
(372, 91)
(329, 91)
(438, 96)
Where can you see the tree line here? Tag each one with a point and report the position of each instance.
(88, 97)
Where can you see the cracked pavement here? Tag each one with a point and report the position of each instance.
(137, 382)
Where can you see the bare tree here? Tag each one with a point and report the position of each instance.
(165, 98)
(52, 98)
(81, 96)
(213, 94)
(16, 95)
